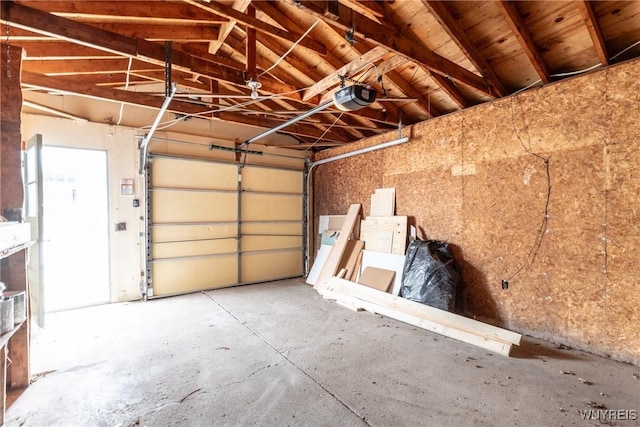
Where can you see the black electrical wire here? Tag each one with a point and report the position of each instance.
(533, 252)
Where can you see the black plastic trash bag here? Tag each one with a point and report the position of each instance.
(430, 275)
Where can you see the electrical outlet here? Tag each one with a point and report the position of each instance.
(121, 226)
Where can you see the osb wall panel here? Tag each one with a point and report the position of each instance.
(478, 179)
(339, 184)
(622, 297)
(11, 190)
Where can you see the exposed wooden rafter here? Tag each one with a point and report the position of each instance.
(439, 10)
(231, 13)
(425, 58)
(65, 29)
(160, 12)
(451, 90)
(227, 27)
(251, 47)
(397, 41)
(512, 16)
(590, 20)
(349, 70)
(172, 32)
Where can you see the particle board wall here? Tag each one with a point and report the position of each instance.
(477, 179)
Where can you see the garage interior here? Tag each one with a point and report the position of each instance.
(233, 129)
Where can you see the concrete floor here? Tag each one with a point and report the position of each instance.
(276, 354)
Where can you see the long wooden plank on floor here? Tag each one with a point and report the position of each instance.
(421, 310)
(337, 250)
(352, 303)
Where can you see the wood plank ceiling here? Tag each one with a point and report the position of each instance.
(425, 58)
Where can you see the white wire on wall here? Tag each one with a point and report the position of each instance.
(126, 87)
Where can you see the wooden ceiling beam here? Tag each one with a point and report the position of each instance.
(370, 9)
(292, 60)
(374, 7)
(439, 11)
(381, 69)
(250, 48)
(371, 118)
(200, 50)
(422, 101)
(174, 33)
(65, 29)
(595, 31)
(450, 89)
(273, 14)
(179, 77)
(349, 70)
(231, 13)
(127, 11)
(400, 42)
(111, 79)
(59, 50)
(289, 89)
(69, 86)
(226, 28)
(519, 30)
(85, 66)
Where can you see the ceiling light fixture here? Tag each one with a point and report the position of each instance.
(254, 85)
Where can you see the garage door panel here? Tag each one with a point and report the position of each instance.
(259, 243)
(183, 173)
(263, 266)
(271, 180)
(272, 228)
(187, 232)
(271, 207)
(186, 206)
(194, 224)
(194, 248)
(172, 277)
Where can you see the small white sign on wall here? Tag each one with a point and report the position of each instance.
(126, 187)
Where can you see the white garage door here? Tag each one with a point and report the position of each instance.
(213, 224)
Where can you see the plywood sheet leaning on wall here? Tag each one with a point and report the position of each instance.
(337, 250)
(445, 323)
(350, 257)
(385, 234)
(383, 202)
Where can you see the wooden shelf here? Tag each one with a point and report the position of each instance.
(4, 338)
(14, 345)
(12, 250)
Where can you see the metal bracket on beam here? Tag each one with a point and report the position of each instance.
(167, 68)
